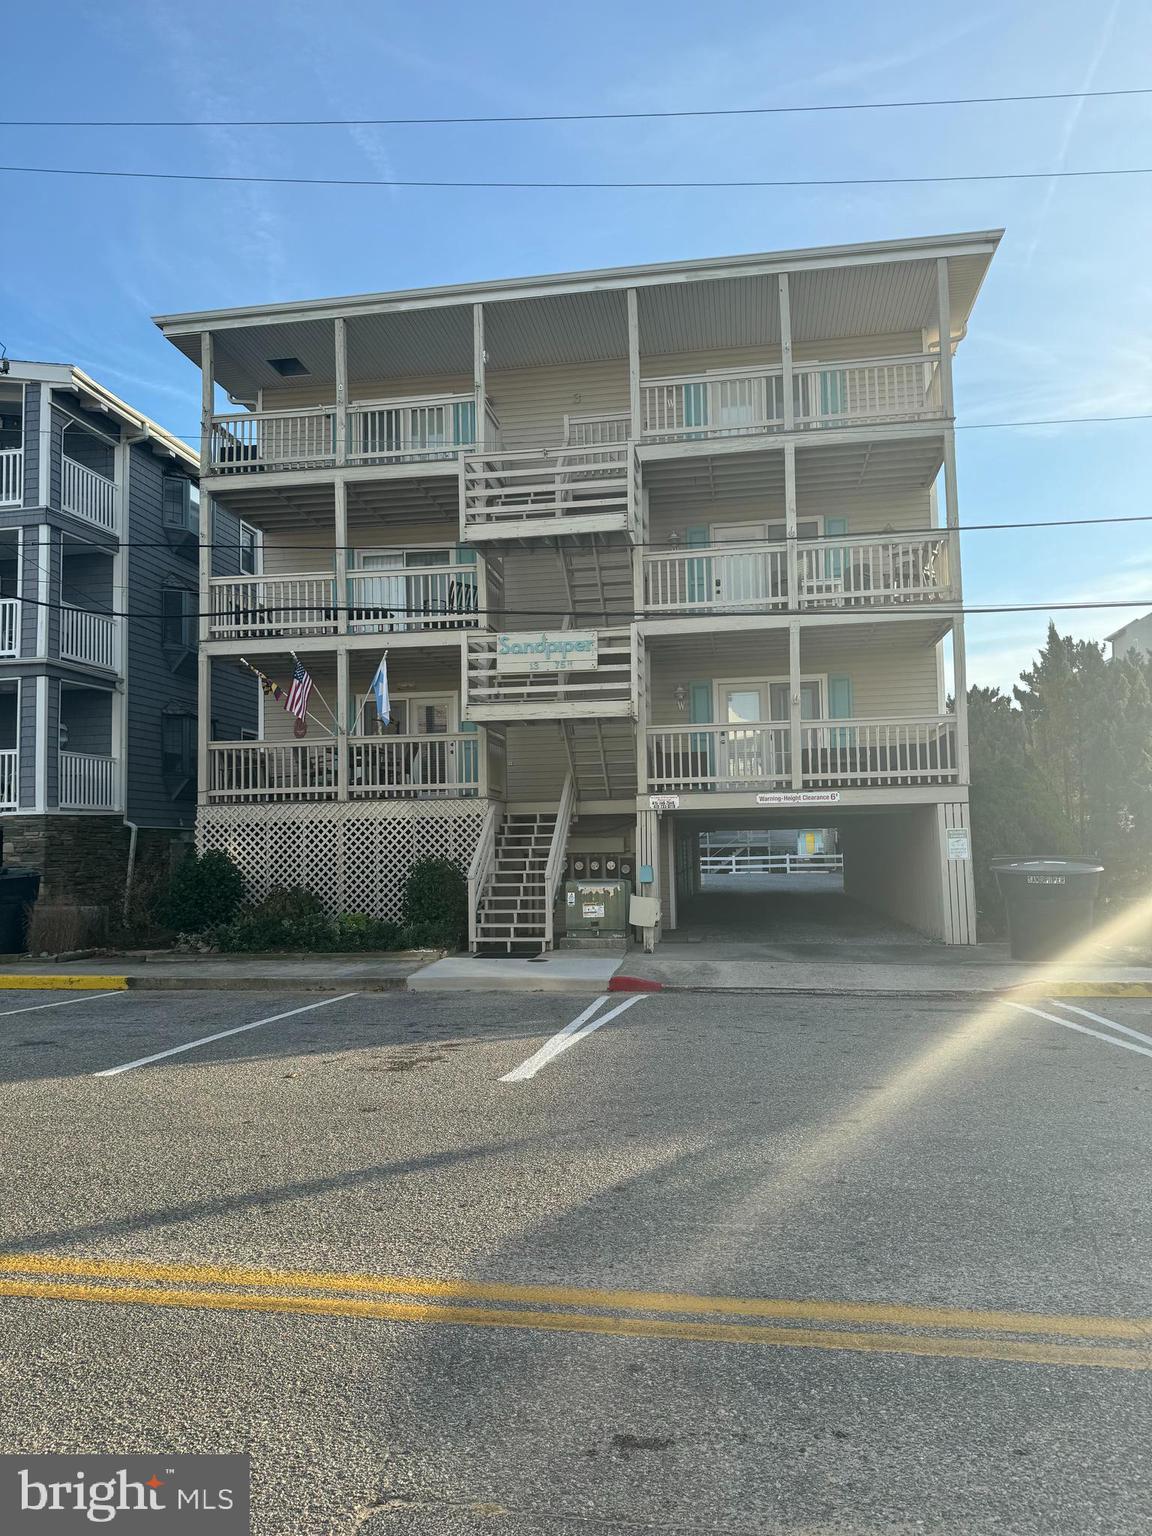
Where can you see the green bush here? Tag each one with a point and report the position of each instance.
(435, 905)
(293, 903)
(291, 918)
(204, 890)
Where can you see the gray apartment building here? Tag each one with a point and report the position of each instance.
(100, 522)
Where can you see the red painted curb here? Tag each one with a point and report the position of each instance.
(634, 984)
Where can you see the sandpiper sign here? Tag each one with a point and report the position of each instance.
(542, 650)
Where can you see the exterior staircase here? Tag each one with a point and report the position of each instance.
(602, 755)
(598, 578)
(511, 913)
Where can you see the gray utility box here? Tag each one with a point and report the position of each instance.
(596, 906)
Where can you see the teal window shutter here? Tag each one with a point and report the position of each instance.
(833, 391)
(699, 574)
(834, 527)
(695, 405)
(463, 423)
(700, 713)
(840, 707)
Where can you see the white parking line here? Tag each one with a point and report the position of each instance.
(144, 1061)
(85, 997)
(1098, 1019)
(1081, 1028)
(565, 1037)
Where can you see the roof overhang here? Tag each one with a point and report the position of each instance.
(94, 397)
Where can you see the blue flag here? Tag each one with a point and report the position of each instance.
(380, 689)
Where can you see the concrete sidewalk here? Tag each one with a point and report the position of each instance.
(589, 970)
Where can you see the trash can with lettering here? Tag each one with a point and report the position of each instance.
(18, 890)
(1051, 903)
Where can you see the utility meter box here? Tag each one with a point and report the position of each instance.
(596, 906)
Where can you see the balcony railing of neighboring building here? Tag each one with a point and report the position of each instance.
(11, 477)
(87, 782)
(744, 402)
(379, 768)
(834, 754)
(433, 597)
(866, 571)
(420, 428)
(9, 626)
(600, 686)
(593, 487)
(9, 779)
(87, 494)
(93, 638)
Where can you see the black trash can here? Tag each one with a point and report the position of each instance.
(18, 890)
(1051, 903)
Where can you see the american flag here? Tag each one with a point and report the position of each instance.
(300, 692)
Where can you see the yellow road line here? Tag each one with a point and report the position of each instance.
(18, 982)
(1015, 1350)
(1083, 989)
(896, 1314)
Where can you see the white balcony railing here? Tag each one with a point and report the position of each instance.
(87, 782)
(90, 637)
(11, 477)
(242, 606)
(9, 779)
(413, 597)
(264, 770)
(87, 494)
(414, 767)
(860, 572)
(743, 402)
(600, 685)
(552, 489)
(9, 626)
(834, 754)
(255, 440)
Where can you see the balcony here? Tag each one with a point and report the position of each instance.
(418, 429)
(379, 768)
(834, 754)
(87, 782)
(867, 571)
(92, 638)
(544, 492)
(9, 626)
(387, 601)
(87, 494)
(562, 674)
(730, 403)
(11, 477)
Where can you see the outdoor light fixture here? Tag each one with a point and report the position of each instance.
(681, 696)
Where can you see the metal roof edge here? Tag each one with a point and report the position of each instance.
(68, 376)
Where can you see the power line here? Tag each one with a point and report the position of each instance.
(574, 186)
(562, 117)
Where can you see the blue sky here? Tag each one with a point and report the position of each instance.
(1062, 328)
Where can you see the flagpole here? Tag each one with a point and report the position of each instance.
(323, 700)
(277, 693)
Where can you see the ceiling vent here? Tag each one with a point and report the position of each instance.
(287, 367)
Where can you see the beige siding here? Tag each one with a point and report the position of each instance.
(313, 549)
(867, 510)
(537, 761)
(409, 671)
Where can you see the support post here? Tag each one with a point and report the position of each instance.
(207, 401)
(944, 320)
(340, 560)
(959, 652)
(204, 723)
(479, 377)
(794, 727)
(793, 555)
(634, 406)
(786, 352)
(640, 708)
(648, 853)
(341, 355)
(343, 715)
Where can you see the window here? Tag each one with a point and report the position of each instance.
(181, 504)
(178, 754)
(178, 617)
(250, 550)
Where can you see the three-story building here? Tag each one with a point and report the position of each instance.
(651, 551)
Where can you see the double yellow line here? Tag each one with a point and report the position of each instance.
(1119, 1343)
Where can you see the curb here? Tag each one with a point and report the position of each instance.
(1101, 989)
(89, 983)
(640, 984)
(85, 983)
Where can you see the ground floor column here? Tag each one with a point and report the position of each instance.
(648, 859)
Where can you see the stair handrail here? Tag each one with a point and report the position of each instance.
(480, 869)
(554, 869)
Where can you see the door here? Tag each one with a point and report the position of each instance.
(811, 695)
(380, 600)
(746, 743)
(744, 576)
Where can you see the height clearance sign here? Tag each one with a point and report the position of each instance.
(562, 650)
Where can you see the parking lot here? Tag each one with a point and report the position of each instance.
(519, 1264)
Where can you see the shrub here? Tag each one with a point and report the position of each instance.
(294, 918)
(293, 903)
(436, 904)
(204, 890)
(65, 926)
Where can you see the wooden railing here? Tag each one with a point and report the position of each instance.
(251, 440)
(480, 869)
(87, 782)
(265, 770)
(11, 477)
(271, 605)
(551, 489)
(89, 637)
(414, 767)
(833, 754)
(9, 779)
(579, 689)
(736, 402)
(87, 494)
(9, 626)
(413, 597)
(557, 850)
(868, 571)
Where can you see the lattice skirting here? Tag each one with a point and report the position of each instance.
(355, 856)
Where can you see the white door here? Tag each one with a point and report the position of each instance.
(381, 600)
(746, 742)
(743, 575)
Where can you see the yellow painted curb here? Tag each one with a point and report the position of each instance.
(1086, 989)
(10, 982)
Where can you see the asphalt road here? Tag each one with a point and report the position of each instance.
(893, 1257)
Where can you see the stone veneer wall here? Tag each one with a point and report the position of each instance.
(82, 859)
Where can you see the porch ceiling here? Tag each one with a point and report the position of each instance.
(739, 650)
(419, 499)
